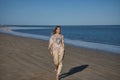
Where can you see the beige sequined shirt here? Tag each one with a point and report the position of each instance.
(56, 41)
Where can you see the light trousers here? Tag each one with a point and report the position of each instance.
(58, 55)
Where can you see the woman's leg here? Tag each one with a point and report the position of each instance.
(59, 68)
(55, 59)
(60, 58)
(56, 62)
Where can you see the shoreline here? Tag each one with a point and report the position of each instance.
(77, 43)
(88, 45)
(29, 59)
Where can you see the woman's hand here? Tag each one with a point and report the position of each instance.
(51, 51)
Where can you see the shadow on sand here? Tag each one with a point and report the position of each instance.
(73, 71)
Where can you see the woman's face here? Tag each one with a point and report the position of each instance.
(58, 30)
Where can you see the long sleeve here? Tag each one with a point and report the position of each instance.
(51, 42)
(62, 40)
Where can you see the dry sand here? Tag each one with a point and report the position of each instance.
(29, 59)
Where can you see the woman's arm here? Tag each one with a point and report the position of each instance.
(50, 46)
(63, 41)
(63, 44)
(50, 43)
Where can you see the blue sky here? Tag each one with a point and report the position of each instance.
(60, 12)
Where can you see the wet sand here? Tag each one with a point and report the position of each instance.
(29, 59)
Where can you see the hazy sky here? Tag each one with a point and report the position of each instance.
(60, 12)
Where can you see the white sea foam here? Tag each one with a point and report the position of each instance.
(17, 28)
(27, 35)
(97, 46)
(79, 43)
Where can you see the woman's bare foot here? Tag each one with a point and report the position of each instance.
(57, 77)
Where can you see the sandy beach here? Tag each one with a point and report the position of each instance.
(29, 59)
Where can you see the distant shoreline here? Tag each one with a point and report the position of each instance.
(4, 28)
(54, 25)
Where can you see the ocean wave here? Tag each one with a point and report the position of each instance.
(79, 43)
(97, 46)
(18, 28)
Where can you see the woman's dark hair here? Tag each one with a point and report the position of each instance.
(54, 31)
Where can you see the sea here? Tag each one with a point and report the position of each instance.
(99, 37)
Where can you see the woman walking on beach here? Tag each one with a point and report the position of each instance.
(56, 46)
